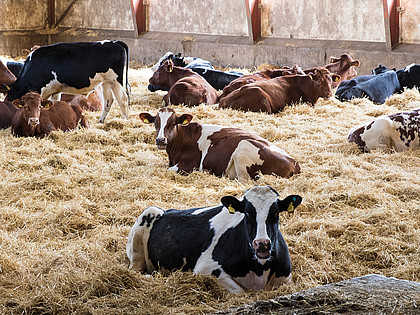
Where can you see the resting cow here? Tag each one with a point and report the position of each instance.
(77, 68)
(38, 118)
(185, 86)
(375, 87)
(7, 112)
(219, 150)
(238, 242)
(273, 95)
(263, 75)
(409, 77)
(92, 102)
(397, 132)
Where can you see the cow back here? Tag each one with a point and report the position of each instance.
(7, 112)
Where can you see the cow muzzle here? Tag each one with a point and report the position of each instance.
(33, 121)
(161, 143)
(262, 248)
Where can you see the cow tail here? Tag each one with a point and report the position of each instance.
(127, 85)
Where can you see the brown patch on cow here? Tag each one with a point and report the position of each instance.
(6, 77)
(7, 112)
(410, 125)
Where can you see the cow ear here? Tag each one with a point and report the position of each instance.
(335, 77)
(147, 118)
(333, 59)
(232, 204)
(289, 203)
(47, 104)
(184, 119)
(355, 63)
(18, 103)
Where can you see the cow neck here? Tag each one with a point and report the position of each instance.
(179, 73)
(186, 140)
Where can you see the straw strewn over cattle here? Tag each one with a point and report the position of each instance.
(70, 199)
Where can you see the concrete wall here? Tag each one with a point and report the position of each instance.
(359, 20)
(14, 17)
(410, 21)
(213, 17)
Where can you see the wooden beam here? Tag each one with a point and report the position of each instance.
(392, 23)
(51, 13)
(65, 13)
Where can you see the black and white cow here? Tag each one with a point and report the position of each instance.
(15, 67)
(408, 77)
(217, 79)
(399, 132)
(238, 241)
(77, 68)
(375, 87)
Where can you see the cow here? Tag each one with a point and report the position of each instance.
(409, 77)
(92, 102)
(185, 86)
(375, 87)
(273, 95)
(258, 76)
(343, 66)
(220, 150)
(185, 62)
(38, 118)
(15, 67)
(77, 68)
(398, 132)
(7, 112)
(238, 241)
(6, 78)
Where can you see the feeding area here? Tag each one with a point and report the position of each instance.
(69, 201)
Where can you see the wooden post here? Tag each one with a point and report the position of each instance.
(392, 23)
(140, 9)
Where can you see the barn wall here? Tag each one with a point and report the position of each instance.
(93, 14)
(359, 20)
(14, 17)
(410, 21)
(211, 17)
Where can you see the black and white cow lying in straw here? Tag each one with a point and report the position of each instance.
(238, 241)
(408, 77)
(77, 68)
(397, 132)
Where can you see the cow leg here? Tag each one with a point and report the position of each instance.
(121, 97)
(108, 100)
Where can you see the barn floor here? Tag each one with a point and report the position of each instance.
(69, 201)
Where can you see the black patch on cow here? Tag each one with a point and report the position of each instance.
(178, 238)
(409, 126)
(147, 219)
(216, 273)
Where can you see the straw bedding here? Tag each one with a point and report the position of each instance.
(69, 201)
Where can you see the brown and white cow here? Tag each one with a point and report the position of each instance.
(399, 132)
(92, 102)
(273, 95)
(343, 66)
(220, 150)
(38, 118)
(185, 86)
(7, 112)
(263, 75)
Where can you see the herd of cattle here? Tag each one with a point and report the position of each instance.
(56, 83)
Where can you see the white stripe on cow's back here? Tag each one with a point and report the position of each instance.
(164, 116)
(199, 211)
(203, 142)
(274, 148)
(245, 155)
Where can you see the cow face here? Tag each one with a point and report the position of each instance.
(323, 80)
(166, 123)
(31, 105)
(161, 76)
(344, 66)
(261, 207)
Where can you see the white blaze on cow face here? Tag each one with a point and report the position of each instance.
(162, 124)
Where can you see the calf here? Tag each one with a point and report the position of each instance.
(258, 76)
(375, 87)
(273, 95)
(185, 86)
(238, 242)
(6, 78)
(398, 132)
(7, 112)
(77, 68)
(185, 62)
(219, 150)
(92, 102)
(38, 118)
(15, 67)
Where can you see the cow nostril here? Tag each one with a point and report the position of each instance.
(261, 244)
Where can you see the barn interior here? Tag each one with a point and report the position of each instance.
(70, 199)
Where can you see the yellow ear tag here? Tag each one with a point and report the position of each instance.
(311, 76)
(185, 122)
(146, 120)
(20, 105)
(7, 88)
(231, 209)
(290, 208)
(47, 106)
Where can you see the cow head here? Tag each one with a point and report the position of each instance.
(323, 79)
(31, 105)
(166, 123)
(344, 66)
(6, 78)
(161, 75)
(261, 207)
